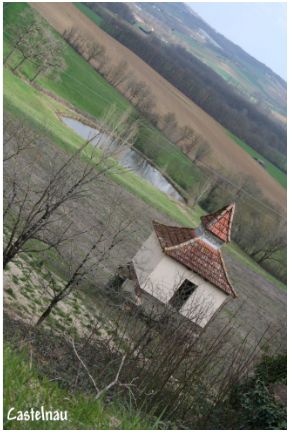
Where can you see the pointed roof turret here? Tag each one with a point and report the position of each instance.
(220, 222)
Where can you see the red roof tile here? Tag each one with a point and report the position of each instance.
(171, 236)
(220, 222)
(185, 246)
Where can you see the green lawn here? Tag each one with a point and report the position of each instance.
(275, 172)
(89, 13)
(87, 90)
(26, 389)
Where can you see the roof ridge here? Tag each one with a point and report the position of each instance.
(168, 248)
(171, 226)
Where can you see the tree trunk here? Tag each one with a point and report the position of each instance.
(47, 312)
(9, 254)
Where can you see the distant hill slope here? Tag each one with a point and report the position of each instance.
(178, 23)
(253, 123)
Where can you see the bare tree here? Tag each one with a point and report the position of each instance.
(118, 73)
(202, 150)
(103, 65)
(75, 39)
(146, 103)
(32, 212)
(21, 34)
(99, 250)
(36, 43)
(135, 90)
(17, 138)
(50, 60)
(199, 191)
(169, 124)
(90, 50)
(191, 145)
(267, 247)
(185, 133)
(94, 51)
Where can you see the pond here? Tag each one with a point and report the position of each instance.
(126, 157)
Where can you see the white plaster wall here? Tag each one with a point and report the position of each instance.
(203, 303)
(160, 276)
(168, 275)
(147, 258)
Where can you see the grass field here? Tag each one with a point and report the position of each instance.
(88, 12)
(83, 412)
(270, 168)
(39, 110)
(96, 96)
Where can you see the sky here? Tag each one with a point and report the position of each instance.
(258, 28)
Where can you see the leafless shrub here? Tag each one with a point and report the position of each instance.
(169, 123)
(17, 138)
(202, 150)
(199, 191)
(99, 393)
(118, 73)
(75, 39)
(172, 367)
(94, 51)
(135, 90)
(184, 134)
(34, 212)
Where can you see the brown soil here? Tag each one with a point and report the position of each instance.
(226, 154)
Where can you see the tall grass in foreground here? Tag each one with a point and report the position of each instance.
(24, 389)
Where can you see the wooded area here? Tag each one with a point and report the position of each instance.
(203, 86)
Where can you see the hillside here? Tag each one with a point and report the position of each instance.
(178, 23)
(227, 155)
(76, 340)
(199, 83)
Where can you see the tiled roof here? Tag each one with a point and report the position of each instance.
(220, 222)
(185, 246)
(172, 236)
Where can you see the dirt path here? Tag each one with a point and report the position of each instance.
(226, 153)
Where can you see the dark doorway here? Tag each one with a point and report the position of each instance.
(182, 294)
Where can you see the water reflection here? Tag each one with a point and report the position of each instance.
(128, 158)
